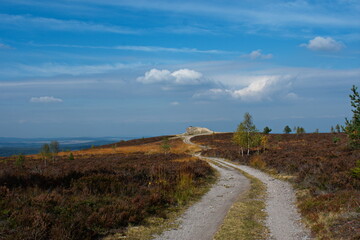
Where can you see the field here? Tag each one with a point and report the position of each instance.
(319, 166)
(99, 191)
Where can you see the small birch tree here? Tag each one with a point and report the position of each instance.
(246, 135)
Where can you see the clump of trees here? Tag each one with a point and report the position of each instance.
(352, 127)
(49, 151)
(299, 130)
(246, 135)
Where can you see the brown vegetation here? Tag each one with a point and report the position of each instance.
(100, 191)
(320, 166)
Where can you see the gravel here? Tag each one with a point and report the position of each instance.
(284, 220)
(202, 220)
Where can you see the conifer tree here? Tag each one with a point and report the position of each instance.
(352, 127)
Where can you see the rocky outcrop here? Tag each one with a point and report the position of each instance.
(197, 130)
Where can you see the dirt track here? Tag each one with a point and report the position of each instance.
(202, 220)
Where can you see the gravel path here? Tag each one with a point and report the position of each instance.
(202, 220)
(283, 221)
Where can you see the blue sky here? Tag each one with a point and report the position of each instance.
(144, 68)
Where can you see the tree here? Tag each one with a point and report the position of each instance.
(246, 135)
(352, 127)
(338, 128)
(45, 152)
(71, 156)
(54, 148)
(287, 129)
(267, 130)
(332, 129)
(300, 130)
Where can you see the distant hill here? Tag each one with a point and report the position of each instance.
(12, 146)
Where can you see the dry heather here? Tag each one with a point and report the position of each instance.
(320, 166)
(100, 191)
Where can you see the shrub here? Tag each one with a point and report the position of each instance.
(20, 160)
(165, 146)
(355, 172)
(257, 162)
(71, 156)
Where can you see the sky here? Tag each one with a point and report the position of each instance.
(145, 68)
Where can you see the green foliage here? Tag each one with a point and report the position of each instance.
(355, 172)
(54, 147)
(352, 127)
(165, 145)
(332, 129)
(71, 156)
(300, 130)
(338, 128)
(267, 130)
(287, 129)
(336, 140)
(45, 151)
(246, 135)
(20, 160)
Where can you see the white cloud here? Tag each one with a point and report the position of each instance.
(256, 54)
(45, 99)
(323, 44)
(27, 21)
(175, 103)
(138, 48)
(181, 77)
(4, 46)
(50, 69)
(165, 49)
(264, 88)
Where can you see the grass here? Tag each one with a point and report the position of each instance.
(246, 218)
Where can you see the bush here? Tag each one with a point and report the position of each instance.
(257, 162)
(20, 160)
(355, 172)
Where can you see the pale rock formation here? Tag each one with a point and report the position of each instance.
(197, 130)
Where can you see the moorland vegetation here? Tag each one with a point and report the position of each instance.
(89, 194)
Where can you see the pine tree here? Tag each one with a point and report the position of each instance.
(287, 129)
(267, 130)
(338, 129)
(352, 127)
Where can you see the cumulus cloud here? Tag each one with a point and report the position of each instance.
(256, 54)
(181, 77)
(45, 99)
(264, 88)
(323, 44)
